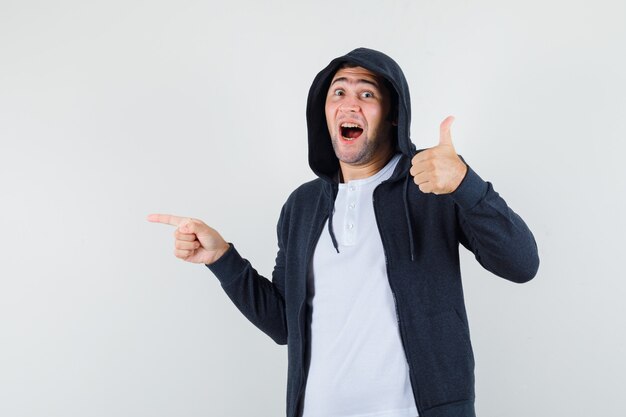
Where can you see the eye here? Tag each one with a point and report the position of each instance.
(367, 94)
(338, 92)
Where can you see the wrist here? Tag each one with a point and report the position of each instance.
(462, 172)
(219, 253)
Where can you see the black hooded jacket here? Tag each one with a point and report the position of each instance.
(420, 234)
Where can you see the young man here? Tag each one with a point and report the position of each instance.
(367, 290)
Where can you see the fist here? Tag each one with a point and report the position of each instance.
(439, 170)
(194, 241)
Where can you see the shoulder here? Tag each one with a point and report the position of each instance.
(305, 199)
(302, 207)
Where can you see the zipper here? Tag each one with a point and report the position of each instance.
(395, 302)
(301, 317)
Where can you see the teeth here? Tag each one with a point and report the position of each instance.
(350, 125)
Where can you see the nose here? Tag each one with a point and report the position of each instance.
(349, 105)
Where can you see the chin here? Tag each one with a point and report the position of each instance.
(354, 159)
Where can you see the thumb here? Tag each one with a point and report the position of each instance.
(187, 226)
(195, 226)
(445, 137)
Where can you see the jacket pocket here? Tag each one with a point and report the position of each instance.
(445, 362)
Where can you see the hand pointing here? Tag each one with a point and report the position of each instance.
(194, 241)
(439, 170)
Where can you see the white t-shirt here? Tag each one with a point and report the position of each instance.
(358, 367)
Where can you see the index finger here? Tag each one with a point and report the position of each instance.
(166, 219)
(422, 156)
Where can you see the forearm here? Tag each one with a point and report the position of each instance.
(498, 237)
(254, 295)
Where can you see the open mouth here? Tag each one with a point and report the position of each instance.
(350, 131)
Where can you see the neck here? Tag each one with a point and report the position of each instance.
(351, 172)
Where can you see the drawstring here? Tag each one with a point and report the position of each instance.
(408, 216)
(331, 208)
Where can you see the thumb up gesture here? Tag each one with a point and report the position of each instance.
(439, 170)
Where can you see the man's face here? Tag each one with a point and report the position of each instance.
(357, 110)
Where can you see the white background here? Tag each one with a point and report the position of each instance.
(111, 110)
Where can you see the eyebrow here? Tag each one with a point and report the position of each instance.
(360, 80)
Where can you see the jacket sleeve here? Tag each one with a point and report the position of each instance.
(262, 301)
(498, 237)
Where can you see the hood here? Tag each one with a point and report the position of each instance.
(322, 159)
